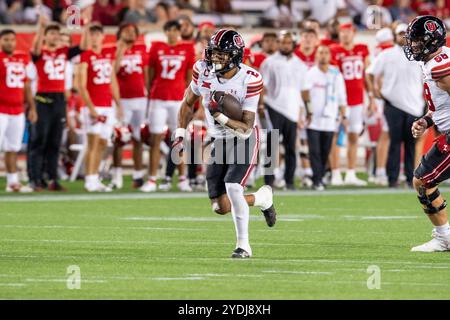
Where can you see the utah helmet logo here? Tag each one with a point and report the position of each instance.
(238, 41)
(430, 26)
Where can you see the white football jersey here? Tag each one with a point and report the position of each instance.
(438, 100)
(245, 86)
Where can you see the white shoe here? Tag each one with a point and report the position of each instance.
(17, 187)
(166, 185)
(336, 180)
(149, 186)
(265, 193)
(279, 183)
(354, 181)
(381, 181)
(103, 188)
(117, 182)
(439, 243)
(307, 182)
(184, 186)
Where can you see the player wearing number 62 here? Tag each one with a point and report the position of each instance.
(226, 85)
(14, 88)
(425, 43)
(50, 60)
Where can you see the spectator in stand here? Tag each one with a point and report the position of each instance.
(402, 11)
(282, 15)
(106, 12)
(324, 10)
(173, 11)
(3, 12)
(138, 13)
(15, 12)
(220, 6)
(356, 9)
(34, 8)
(161, 12)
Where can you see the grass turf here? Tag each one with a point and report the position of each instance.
(176, 248)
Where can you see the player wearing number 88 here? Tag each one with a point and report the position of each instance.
(50, 59)
(98, 87)
(425, 42)
(14, 86)
(168, 73)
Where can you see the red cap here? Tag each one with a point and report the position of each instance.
(347, 25)
(203, 24)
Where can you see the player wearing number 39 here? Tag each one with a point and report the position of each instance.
(219, 78)
(425, 40)
(50, 60)
(14, 88)
(98, 87)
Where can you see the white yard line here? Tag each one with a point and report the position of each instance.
(197, 195)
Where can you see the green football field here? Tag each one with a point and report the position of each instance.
(331, 245)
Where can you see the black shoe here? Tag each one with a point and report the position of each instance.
(240, 253)
(137, 183)
(55, 186)
(270, 215)
(291, 187)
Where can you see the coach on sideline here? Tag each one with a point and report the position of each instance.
(401, 90)
(283, 74)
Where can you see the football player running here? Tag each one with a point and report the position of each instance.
(223, 70)
(425, 42)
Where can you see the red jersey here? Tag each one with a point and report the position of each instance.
(328, 42)
(131, 73)
(308, 60)
(248, 57)
(170, 64)
(50, 66)
(258, 59)
(352, 64)
(99, 75)
(12, 82)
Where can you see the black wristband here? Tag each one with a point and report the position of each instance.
(429, 121)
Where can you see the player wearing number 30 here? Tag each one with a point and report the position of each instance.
(14, 87)
(219, 78)
(425, 40)
(45, 135)
(168, 74)
(98, 87)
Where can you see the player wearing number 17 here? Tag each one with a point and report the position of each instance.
(425, 43)
(50, 59)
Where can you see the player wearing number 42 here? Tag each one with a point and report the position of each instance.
(425, 43)
(50, 60)
(222, 71)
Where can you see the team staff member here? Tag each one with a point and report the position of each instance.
(283, 74)
(325, 98)
(50, 60)
(15, 89)
(405, 77)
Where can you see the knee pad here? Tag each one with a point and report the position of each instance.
(427, 200)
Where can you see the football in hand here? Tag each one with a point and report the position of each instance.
(231, 106)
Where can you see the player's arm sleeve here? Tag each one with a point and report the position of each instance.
(195, 76)
(440, 71)
(254, 89)
(73, 52)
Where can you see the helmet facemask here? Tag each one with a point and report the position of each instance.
(219, 60)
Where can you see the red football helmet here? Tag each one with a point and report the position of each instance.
(122, 135)
(145, 133)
